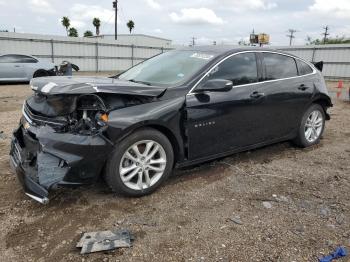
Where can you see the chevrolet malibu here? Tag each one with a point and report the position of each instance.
(176, 109)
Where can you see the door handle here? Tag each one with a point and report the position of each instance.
(256, 95)
(303, 87)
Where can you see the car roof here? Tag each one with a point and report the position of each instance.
(224, 49)
(21, 54)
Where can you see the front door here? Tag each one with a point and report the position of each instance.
(220, 122)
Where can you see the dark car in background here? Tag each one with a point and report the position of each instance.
(177, 109)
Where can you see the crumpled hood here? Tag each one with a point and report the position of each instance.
(60, 85)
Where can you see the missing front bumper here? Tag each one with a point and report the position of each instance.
(44, 160)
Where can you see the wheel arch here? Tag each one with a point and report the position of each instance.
(325, 102)
(170, 135)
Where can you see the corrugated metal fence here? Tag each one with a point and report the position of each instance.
(336, 58)
(109, 55)
(89, 54)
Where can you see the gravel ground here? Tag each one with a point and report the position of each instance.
(277, 203)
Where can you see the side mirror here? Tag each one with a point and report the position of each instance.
(216, 85)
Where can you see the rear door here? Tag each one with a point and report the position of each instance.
(11, 68)
(286, 94)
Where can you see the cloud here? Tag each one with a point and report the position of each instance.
(40, 19)
(158, 31)
(153, 4)
(77, 24)
(81, 14)
(196, 16)
(239, 5)
(41, 6)
(334, 8)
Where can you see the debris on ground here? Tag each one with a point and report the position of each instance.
(325, 212)
(267, 204)
(237, 220)
(338, 253)
(105, 240)
(340, 219)
(2, 135)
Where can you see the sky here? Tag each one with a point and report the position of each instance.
(223, 21)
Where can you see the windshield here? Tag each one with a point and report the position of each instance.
(170, 68)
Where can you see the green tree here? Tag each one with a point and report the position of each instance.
(66, 23)
(72, 32)
(88, 33)
(329, 41)
(97, 23)
(130, 25)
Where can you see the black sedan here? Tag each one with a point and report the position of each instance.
(176, 109)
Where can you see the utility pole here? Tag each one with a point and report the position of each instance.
(193, 41)
(291, 35)
(115, 6)
(325, 34)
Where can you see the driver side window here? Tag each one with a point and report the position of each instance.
(240, 69)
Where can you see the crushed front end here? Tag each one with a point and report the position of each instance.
(45, 158)
(64, 137)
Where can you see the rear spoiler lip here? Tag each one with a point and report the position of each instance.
(318, 65)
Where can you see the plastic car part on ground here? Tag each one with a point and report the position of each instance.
(105, 240)
(338, 253)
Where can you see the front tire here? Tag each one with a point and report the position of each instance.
(140, 163)
(311, 127)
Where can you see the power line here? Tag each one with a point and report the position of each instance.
(325, 34)
(291, 35)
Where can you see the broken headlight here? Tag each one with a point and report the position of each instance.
(91, 114)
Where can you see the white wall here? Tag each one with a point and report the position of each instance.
(138, 39)
(90, 54)
(336, 58)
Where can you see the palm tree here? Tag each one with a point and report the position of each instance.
(66, 23)
(130, 25)
(88, 33)
(72, 32)
(97, 23)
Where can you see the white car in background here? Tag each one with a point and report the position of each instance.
(18, 68)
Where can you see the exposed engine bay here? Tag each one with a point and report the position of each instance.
(71, 125)
(82, 114)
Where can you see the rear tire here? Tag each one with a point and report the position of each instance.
(311, 127)
(132, 170)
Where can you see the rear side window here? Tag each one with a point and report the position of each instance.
(303, 68)
(7, 59)
(240, 69)
(279, 66)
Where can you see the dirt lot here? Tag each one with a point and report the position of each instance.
(190, 217)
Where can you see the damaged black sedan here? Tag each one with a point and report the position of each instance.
(177, 109)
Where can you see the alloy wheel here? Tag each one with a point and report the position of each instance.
(313, 126)
(142, 165)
